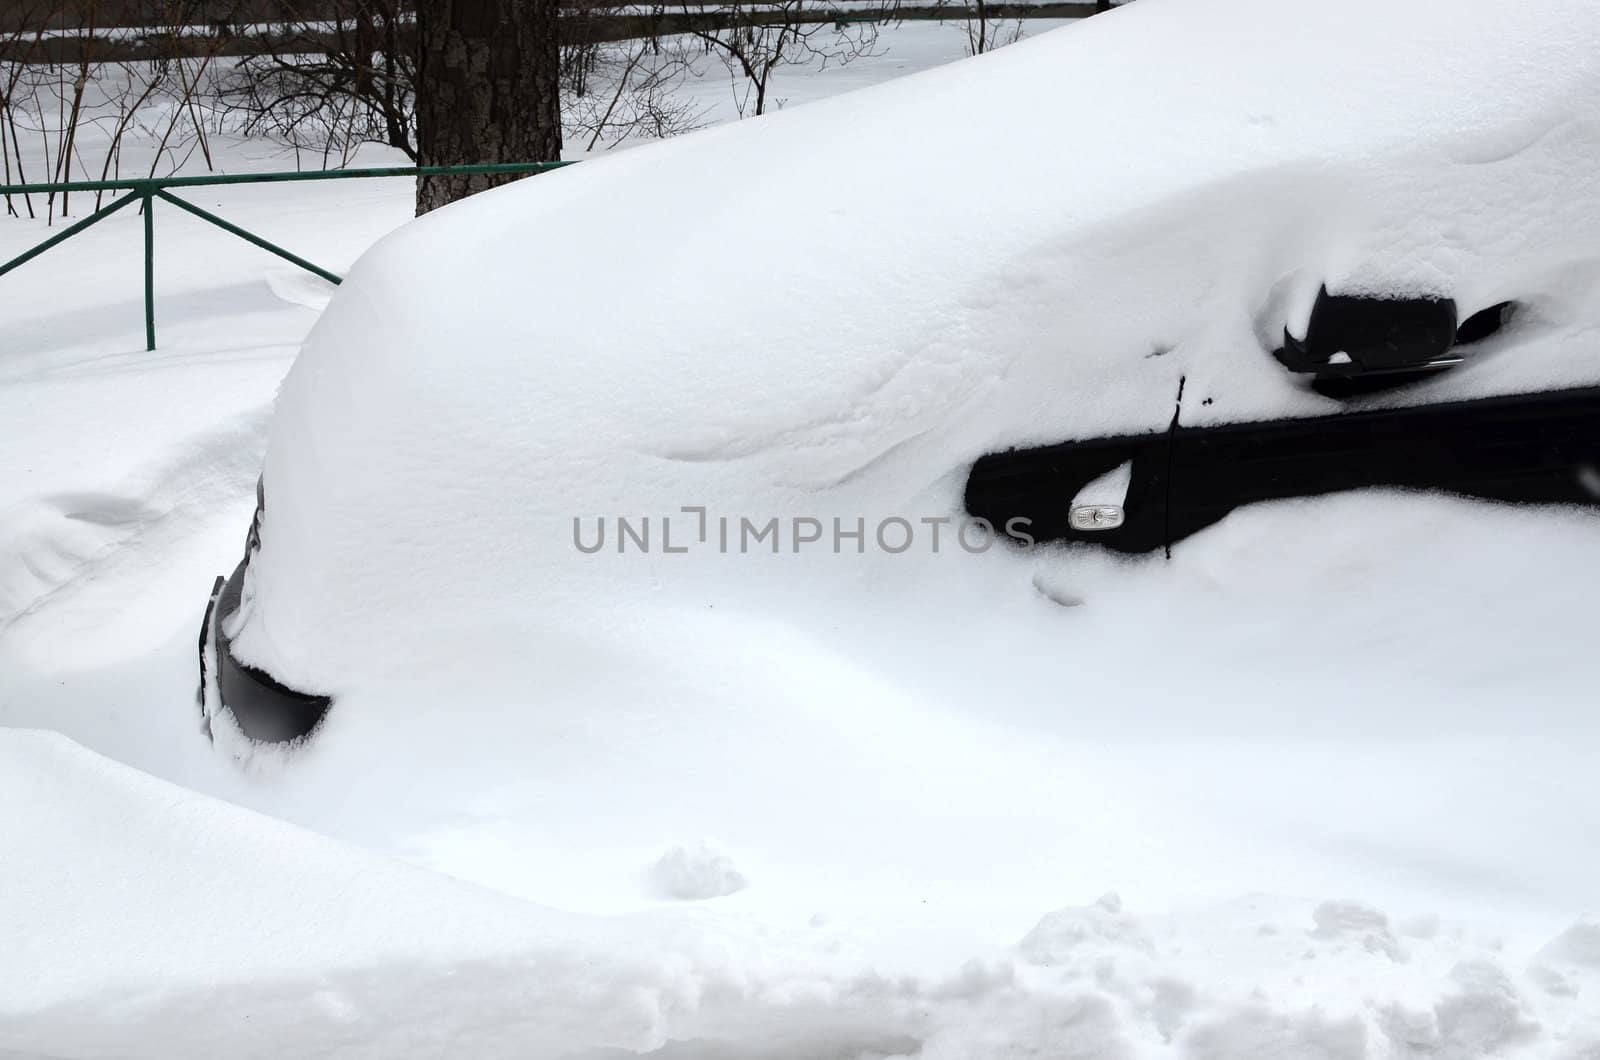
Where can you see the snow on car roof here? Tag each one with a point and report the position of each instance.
(838, 307)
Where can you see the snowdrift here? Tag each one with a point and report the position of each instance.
(831, 313)
(216, 930)
(821, 803)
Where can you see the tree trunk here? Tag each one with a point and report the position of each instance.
(488, 90)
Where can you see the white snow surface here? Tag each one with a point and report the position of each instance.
(931, 805)
(440, 433)
(251, 937)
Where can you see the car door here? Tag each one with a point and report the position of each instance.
(1532, 447)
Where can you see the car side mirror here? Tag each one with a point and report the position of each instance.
(1355, 335)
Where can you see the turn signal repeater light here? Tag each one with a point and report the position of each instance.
(1092, 517)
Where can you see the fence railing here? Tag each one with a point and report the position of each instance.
(148, 189)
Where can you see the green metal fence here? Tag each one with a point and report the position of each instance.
(147, 190)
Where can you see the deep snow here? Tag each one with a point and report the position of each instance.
(423, 450)
(794, 809)
(255, 938)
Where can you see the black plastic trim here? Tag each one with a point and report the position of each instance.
(1526, 449)
(264, 708)
(1038, 485)
(1359, 335)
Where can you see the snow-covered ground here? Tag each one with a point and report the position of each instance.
(1336, 758)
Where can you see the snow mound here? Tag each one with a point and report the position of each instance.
(691, 873)
(204, 918)
(1193, 174)
(916, 756)
(921, 747)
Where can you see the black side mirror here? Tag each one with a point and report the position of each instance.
(1353, 335)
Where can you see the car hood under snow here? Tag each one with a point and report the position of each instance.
(830, 312)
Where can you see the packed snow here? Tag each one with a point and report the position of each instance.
(1319, 786)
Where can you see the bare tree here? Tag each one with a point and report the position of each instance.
(15, 89)
(72, 112)
(986, 30)
(488, 90)
(581, 44)
(341, 73)
(629, 89)
(754, 38)
(329, 85)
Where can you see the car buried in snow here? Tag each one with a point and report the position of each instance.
(1213, 255)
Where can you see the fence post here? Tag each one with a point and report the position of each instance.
(146, 190)
(149, 270)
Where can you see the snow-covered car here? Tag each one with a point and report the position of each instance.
(1104, 286)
